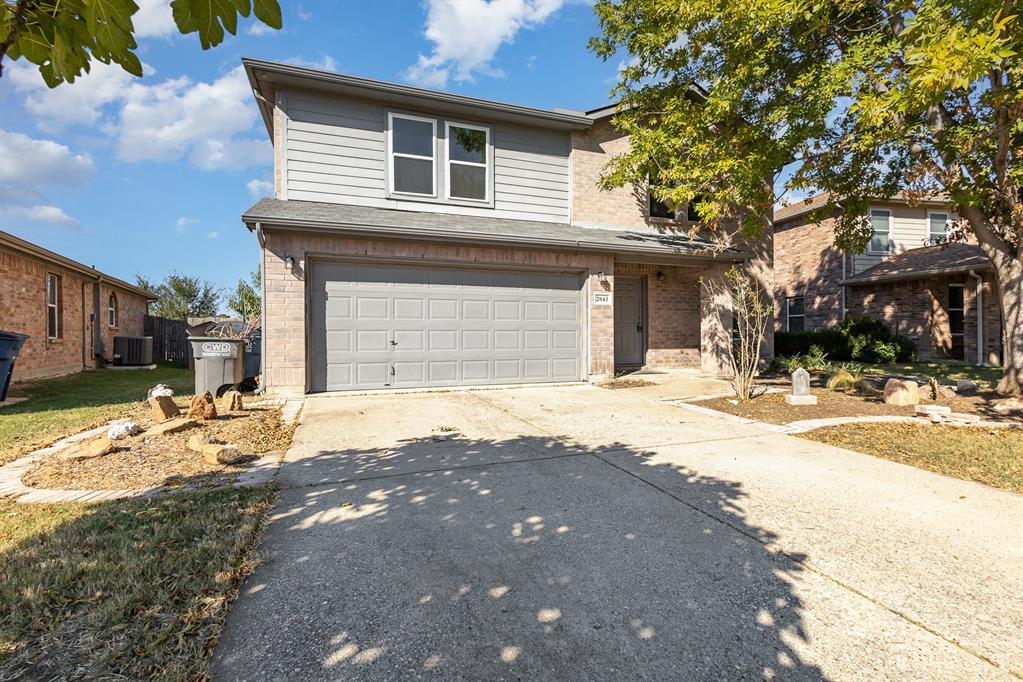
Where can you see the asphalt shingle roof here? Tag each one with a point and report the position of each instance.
(451, 227)
(927, 260)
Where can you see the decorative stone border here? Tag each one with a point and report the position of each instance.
(804, 425)
(257, 473)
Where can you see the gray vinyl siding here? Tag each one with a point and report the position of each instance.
(909, 230)
(334, 150)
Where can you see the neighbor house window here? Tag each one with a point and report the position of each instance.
(413, 151)
(937, 227)
(112, 310)
(881, 223)
(54, 305)
(468, 176)
(795, 320)
(957, 320)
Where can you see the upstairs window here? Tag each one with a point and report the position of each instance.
(880, 222)
(795, 317)
(659, 209)
(692, 215)
(468, 175)
(413, 152)
(112, 310)
(937, 227)
(54, 306)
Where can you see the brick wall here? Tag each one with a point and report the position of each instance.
(807, 264)
(919, 309)
(672, 312)
(131, 314)
(284, 329)
(23, 310)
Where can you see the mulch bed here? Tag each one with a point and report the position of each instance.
(615, 384)
(145, 462)
(773, 409)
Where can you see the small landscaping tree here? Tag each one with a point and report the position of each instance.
(245, 299)
(751, 313)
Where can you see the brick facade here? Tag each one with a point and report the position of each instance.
(676, 334)
(918, 309)
(807, 264)
(23, 310)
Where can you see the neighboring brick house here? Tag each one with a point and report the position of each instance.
(419, 238)
(909, 277)
(72, 312)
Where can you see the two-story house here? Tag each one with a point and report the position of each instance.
(942, 295)
(421, 238)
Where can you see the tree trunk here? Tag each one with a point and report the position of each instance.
(1009, 274)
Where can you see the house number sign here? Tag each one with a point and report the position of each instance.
(601, 298)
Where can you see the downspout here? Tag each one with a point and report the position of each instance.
(980, 316)
(844, 287)
(262, 308)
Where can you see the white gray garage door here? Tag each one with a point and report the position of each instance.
(398, 326)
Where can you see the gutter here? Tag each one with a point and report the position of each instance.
(980, 316)
(401, 232)
(262, 308)
(921, 274)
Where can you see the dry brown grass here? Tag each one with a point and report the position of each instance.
(993, 456)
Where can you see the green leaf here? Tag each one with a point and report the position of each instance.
(209, 18)
(269, 12)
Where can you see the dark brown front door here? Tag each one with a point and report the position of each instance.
(630, 322)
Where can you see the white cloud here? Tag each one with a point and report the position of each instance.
(258, 28)
(260, 188)
(154, 19)
(80, 102)
(43, 214)
(27, 165)
(324, 63)
(213, 235)
(182, 223)
(467, 34)
(205, 122)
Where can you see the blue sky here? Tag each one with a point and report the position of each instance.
(150, 175)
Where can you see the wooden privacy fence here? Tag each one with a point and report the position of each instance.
(170, 340)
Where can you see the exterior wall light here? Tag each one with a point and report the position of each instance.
(289, 263)
(601, 277)
(660, 276)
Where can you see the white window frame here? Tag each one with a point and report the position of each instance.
(873, 232)
(448, 125)
(53, 286)
(948, 219)
(789, 315)
(391, 115)
(113, 311)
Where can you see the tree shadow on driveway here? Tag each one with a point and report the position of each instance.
(524, 558)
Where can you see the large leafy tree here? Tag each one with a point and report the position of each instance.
(62, 37)
(858, 98)
(179, 297)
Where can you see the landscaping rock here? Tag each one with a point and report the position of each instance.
(928, 410)
(947, 391)
(198, 441)
(231, 402)
(964, 417)
(122, 429)
(173, 426)
(901, 393)
(793, 399)
(163, 408)
(966, 387)
(1008, 405)
(203, 407)
(96, 447)
(160, 390)
(221, 453)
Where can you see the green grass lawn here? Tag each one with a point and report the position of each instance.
(66, 405)
(986, 455)
(135, 589)
(986, 377)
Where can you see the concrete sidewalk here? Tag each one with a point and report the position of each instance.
(582, 533)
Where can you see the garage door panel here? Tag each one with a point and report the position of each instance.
(448, 326)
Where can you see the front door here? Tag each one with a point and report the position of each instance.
(630, 322)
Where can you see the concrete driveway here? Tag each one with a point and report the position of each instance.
(580, 533)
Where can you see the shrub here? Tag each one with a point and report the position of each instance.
(846, 380)
(863, 339)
